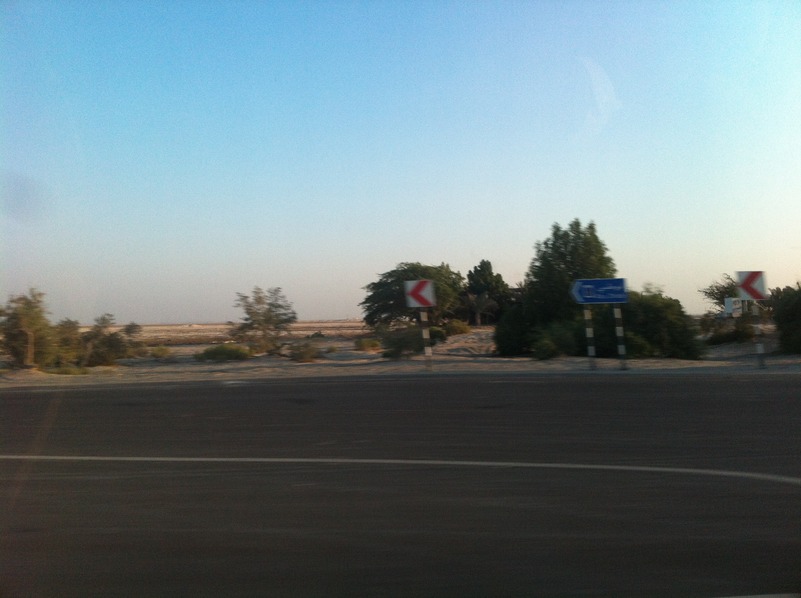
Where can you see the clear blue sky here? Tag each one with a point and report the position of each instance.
(158, 157)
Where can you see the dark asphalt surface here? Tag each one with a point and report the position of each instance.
(460, 524)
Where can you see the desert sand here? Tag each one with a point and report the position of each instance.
(466, 353)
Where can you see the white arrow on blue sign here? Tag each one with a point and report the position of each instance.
(600, 290)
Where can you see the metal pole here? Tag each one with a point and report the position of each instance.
(424, 325)
(590, 337)
(621, 339)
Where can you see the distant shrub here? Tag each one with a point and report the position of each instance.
(367, 344)
(331, 349)
(161, 352)
(318, 334)
(305, 353)
(454, 327)
(223, 353)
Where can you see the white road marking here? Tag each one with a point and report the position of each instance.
(764, 477)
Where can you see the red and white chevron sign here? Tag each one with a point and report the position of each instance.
(419, 293)
(751, 286)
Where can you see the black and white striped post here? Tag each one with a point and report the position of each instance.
(590, 336)
(425, 325)
(621, 338)
(420, 294)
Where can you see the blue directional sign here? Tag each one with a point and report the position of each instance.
(600, 290)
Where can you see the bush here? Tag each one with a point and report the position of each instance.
(401, 343)
(305, 353)
(223, 353)
(637, 346)
(513, 334)
(107, 349)
(563, 335)
(727, 330)
(787, 315)
(545, 348)
(656, 324)
(436, 334)
(454, 327)
(367, 344)
(161, 352)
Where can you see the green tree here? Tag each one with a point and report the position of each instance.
(570, 253)
(655, 325)
(268, 314)
(717, 292)
(101, 345)
(480, 305)
(67, 335)
(132, 330)
(787, 315)
(385, 303)
(26, 331)
(487, 292)
(713, 322)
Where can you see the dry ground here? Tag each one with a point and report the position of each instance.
(466, 353)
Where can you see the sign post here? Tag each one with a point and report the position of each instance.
(590, 336)
(751, 287)
(589, 291)
(420, 294)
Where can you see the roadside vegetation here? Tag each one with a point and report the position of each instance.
(537, 317)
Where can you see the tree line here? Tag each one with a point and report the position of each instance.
(30, 340)
(537, 317)
(540, 317)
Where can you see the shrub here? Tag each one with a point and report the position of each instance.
(305, 353)
(656, 324)
(107, 349)
(401, 343)
(637, 346)
(454, 327)
(367, 344)
(727, 330)
(563, 336)
(512, 334)
(787, 315)
(545, 348)
(223, 353)
(161, 352)
(436, 334)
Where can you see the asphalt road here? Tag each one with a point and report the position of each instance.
(579, 485)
